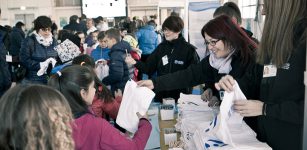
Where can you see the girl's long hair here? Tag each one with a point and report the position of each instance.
(35, 117)
(70, 81)
(278, 40)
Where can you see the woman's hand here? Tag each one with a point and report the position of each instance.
(146, 83)
(248, 107)
(225, 83)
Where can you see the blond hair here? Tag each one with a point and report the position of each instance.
(35, 117)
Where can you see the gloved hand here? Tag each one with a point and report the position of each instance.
(207, 95)
(43, 67)
(214, 101)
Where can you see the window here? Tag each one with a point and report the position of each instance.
(64, 3)
(248, 8)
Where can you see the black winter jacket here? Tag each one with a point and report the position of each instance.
(16, 38)
(118, 69)
(180, 55)
(31, 54)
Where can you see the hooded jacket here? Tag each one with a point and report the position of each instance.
(148, 39)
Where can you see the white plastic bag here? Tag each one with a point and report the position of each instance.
(135, 99)
(102, 70)
(228, 130)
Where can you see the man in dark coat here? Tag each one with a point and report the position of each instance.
(73, 25)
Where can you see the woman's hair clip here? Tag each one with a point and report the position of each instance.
(59, 73)
(82, 63)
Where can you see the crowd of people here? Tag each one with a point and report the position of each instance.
(74, 103)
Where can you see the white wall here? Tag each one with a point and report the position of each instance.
(37, 8)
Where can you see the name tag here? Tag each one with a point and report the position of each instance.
(269, 71)
(164, 60)
(9, 58)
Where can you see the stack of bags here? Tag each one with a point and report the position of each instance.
(202, 130)
(192, 112)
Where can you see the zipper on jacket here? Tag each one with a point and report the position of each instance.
(170, 62)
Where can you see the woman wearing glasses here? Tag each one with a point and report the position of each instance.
(173, 54)
(231, 52)
(37, 54)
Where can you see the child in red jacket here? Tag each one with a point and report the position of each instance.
(104, 103)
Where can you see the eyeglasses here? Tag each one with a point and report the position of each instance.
(46, 29)
(212, 42)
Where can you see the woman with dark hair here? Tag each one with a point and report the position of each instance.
(173, 54)
(77, 84)
(37, 54)
(35, 121)
(282, 53)
(104, 105)
(231, 52)
(104, 102)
